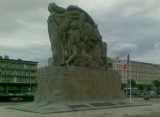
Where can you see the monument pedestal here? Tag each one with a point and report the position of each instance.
(68, 85)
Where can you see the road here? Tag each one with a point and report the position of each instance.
(139, 111)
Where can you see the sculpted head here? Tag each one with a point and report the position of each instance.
(52, 7)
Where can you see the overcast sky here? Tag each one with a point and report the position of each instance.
(128, 26)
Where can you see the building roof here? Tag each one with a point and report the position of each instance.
(156, 65)
(146, 63)
(19, 61)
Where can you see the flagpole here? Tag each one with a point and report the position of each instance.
(130, 80)
(127, 83)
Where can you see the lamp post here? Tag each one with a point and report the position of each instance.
(0, 74)
(30, 81)
(127, 89)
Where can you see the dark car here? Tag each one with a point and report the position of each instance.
(2, 94)
(146, 93)
(29, 94)
(19, 94)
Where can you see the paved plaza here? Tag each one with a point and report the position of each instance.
(139, 111)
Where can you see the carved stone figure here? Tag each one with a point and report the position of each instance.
(75, 38)
(84, 58)
(54, 20)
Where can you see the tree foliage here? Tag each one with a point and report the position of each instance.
(141, 87)
(156, 83)
(133, 83)
(149, 87)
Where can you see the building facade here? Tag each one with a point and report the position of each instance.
(17, 76)
(142, 73)
(50, 61)
(117, 64)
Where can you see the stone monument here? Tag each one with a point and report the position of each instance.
(79, 73)
(78, 78)
(75, 38)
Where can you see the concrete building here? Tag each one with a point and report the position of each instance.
(17, 76)
(145, 73)
(142, 73)
(117, 64)
(50, 61)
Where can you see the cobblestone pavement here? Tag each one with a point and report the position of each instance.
(139, 111)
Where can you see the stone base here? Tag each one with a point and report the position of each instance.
(63, 89)
(72, 85)
(46, 108)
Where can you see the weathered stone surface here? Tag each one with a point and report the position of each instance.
(76, 85)
(75, 38)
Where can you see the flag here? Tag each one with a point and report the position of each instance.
(126, 62)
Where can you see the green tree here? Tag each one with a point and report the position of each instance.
(141, 87)
(149, 87)
(133, 83)
(156, 83)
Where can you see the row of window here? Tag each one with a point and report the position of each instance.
(15, 72)
(13, 79)
(115, 66)
(141, 77)
(132, 63)
(118, 61)
(16, 65)
(139, 82)
(137, 72)
(144, 75)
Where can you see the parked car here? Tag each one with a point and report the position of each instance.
(29, 94)
(152, 94)
(19, 94)
(16, 99)
(135, 94)
(146, 97)
(10, 94)
(146, 93)
(2, 94)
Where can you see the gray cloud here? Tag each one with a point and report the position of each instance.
(120, 47)
(136, 21)
(126, 26)
(156, 45)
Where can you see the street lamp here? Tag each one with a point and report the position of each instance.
(127, 88)
(30, 81)
(0, 73)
